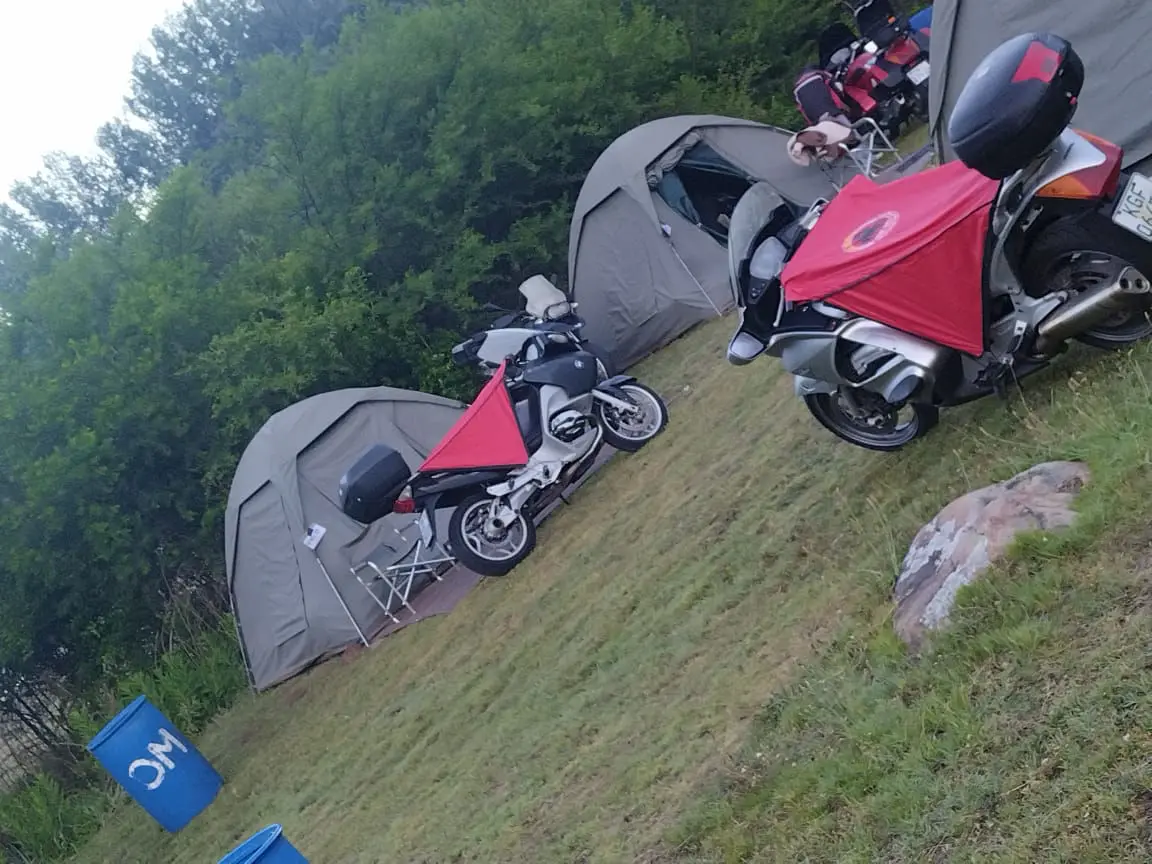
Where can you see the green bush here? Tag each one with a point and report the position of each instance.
(43, 822)
(191, 684)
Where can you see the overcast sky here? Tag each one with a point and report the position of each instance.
(64, 70)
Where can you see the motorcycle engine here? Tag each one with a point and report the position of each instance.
(568, 426)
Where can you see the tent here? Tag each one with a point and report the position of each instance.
(647, 255)
(1110, 36)
(293, 604)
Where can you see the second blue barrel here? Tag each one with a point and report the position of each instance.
(267, 846)
(156, 765)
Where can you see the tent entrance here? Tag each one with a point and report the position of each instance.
(704, 187)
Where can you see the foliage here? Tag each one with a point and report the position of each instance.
(46, 820)
(302, 195)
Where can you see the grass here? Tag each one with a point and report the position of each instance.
(697, 663)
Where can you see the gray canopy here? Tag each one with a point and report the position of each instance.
(643, 263)
(294, 605)
(1111, 37)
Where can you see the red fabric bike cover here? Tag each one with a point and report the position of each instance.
(486, 435)
(909, 254)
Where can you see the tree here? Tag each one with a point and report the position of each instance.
(307, 195)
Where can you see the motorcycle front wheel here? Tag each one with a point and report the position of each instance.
(631, 431)
(874, 424)
(484, 549)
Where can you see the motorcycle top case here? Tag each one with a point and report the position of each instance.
(371, 486)
(1017, 102)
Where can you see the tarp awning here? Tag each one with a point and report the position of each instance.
(486, 435)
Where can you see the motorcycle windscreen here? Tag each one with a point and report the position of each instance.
(486, 435)
(909, 254)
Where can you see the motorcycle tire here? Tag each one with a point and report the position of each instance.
(825, 408)
(466, 552)
(1092, 237)
(920, 103)
(633, 443)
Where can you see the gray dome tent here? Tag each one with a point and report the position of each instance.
(1109, 35)
(646, 251)
(294, 605)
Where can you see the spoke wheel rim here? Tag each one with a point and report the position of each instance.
(504, 546)
(635, 427)
(880, 423)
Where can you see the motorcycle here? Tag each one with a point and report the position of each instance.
(883, 75)
(893, 301)
(532, 431)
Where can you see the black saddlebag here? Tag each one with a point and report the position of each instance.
(371, 486)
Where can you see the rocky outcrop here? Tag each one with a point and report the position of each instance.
(971, 533)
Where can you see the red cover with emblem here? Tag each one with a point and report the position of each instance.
(909, 254)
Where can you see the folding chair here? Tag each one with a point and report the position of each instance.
(422, 557)
(826, 143)
(872, 149)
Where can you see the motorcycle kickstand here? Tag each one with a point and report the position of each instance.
(1004, 378)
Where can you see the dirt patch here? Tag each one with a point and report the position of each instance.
(1142, 814)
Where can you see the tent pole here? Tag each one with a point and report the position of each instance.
(240, 640)
(692, 275)
(340, 598)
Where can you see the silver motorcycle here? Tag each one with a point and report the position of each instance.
(532, 431)
(547, 310)
(891, 302)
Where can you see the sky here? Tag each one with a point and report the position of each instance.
(65, 67)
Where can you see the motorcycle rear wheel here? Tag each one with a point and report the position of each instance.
(887, 436)
(482, 553)
(1080, 254)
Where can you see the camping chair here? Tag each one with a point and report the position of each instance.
(827, 142)
(873, 149)
(422, 557)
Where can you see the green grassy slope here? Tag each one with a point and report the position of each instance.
(606, 701)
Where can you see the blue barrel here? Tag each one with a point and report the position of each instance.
(267, 846)
(922, 20)
(156, 765)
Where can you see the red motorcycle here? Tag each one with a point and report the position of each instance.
(882, 74)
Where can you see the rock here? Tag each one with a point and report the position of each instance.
(969, 534)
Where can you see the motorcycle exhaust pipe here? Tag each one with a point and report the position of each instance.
(1128, 293)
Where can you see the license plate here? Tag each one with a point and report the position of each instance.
(1134, 209)
(919, 74)
(425, 524)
